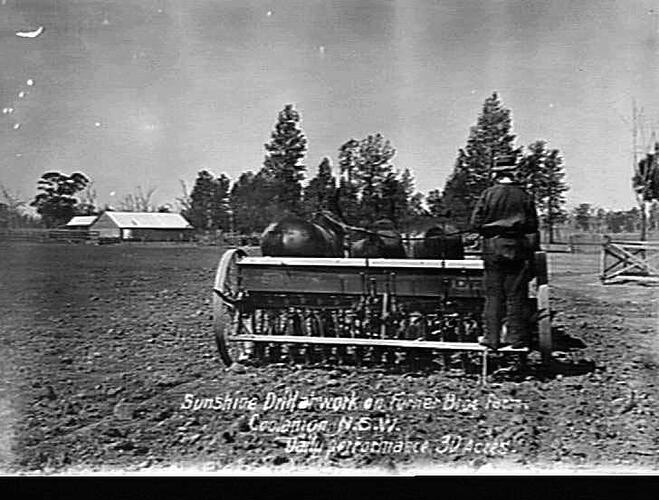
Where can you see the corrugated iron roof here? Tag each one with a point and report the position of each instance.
(148, 220)
(82, 220)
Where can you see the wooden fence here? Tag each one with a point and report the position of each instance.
(72, 235)
(629, 261)
(48, 235)
(24, 234)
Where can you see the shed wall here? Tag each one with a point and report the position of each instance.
(138, 234)
(106, 227)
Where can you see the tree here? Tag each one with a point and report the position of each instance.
(408, 210)
(321, 190)
(373, 168)
(56, 200)
(619, 221)
(249, 200)
(282, 167)
(600, 220)
(11, 210)
(646, 185)
(348, 202)
(531, 169)
(542, 173)
(184, 202)
(436, 205)
(139, 201)
(220, 203)
(393, 203)
(458, 194)
(369, 186)
(633, 220)
(209, 201)
(582, 214)
(88, 201)
(199, 214)
(653, 219)
(416, 206)
(400, 203)
(489, 139)
(615, 221)
(552, 195)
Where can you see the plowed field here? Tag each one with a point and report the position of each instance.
(108, 363)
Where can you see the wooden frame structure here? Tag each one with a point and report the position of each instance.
(629, 261)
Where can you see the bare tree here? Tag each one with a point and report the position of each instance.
(88, 201)
(127, 204)
(11, 208)
(11, 200)
(645, 169)
(184, 202)
(139, 201)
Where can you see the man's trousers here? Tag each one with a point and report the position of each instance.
(506, 292)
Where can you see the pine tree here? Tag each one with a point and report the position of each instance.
(541, 172)
(416, 206)
(582, 214)
(552, 195)
(394, 202)
(407, 185)
(436, 206)
(531, 169)
(250, 197)
(457, 193)
(397, 195)
(488, 140)
(209, 202)
(219, 208)
(348, 193)
(320, 192)
(282, 166)
(200, 212)
(373, 168)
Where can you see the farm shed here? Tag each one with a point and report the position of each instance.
(81, 222)
(142, 226)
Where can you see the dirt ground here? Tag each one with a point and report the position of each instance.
(107, 355)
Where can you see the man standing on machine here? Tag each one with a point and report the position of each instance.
(506, 218)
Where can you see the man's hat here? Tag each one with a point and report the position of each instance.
(504, 164)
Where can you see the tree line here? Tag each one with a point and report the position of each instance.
(366, 185)
(588, 218)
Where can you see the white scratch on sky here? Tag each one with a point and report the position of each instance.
(30, 34)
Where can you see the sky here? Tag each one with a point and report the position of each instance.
(148, 92)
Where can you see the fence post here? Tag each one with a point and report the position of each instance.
(605, 244)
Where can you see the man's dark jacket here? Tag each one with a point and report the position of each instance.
(505, 209)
